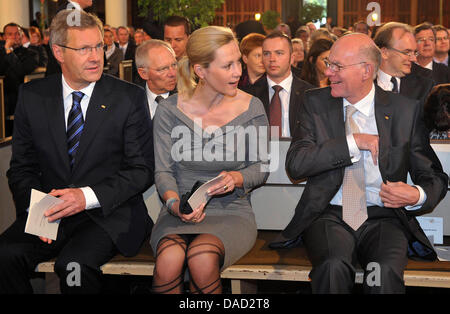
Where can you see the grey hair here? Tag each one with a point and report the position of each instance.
(71, 19)
(144, 48)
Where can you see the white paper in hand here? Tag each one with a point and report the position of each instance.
(37, 223)
(201, 196)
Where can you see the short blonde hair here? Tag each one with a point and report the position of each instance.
(200, 49)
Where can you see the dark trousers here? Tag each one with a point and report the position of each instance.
(81, 248)
(379, 246)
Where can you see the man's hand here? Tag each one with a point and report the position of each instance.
(74, 202)
(368, 142)
(398, 194)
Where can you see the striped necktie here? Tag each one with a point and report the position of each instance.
(75, 125)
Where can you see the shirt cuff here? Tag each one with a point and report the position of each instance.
(90, 197)
(420, 202)
(355, 153)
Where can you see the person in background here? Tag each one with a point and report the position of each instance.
(437, 112)
(36, 45)
(113, 54)
(176, 32)
(251, 50)
(426, 44)
(313, 70)
(441, 53)
(139, 37)
(298, 53)
(157, 66)
(361, 27)
(284, 28)
(303, 33)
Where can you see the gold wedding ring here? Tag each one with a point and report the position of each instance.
(225, 187)
(194, 220)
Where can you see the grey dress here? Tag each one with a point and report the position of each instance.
(182, 157)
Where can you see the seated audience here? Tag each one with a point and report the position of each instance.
(157, 66)
(298, 53)
(112, 53)
(437, 112)
(303, 33)
(36, 45)
(426, 44)
(398, 71)
(251, 51)
(16, 61)
(313, 70)
(217, 233)
(284, 28)
(442, 50)
(139, 37)
(176, 32)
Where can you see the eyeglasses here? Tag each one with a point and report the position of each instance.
(85, 50)
(334, 67)
(165, 69)
(423, 39)
(441, 38)
(408, 53)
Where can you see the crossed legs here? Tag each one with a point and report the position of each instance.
(203, 255)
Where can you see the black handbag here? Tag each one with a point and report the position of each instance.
(185, 208)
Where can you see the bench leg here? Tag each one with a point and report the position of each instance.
(243, 286)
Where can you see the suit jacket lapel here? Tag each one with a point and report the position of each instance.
(383, 117)
(56, 119)
(95, 116)
(294, 100)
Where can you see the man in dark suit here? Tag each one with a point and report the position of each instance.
(357, 206)
(85, 138)
(16, 61)
(398, 71)
(157, 66)
(280, 91)
(127, 47)
(426, 45)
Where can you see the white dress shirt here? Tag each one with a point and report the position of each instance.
(365, 119)
(285, 95)
(384, 81)
(110, 50)
(151, 99)
(89, 195)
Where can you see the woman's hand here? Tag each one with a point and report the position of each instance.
(230, 180)
(195, 217)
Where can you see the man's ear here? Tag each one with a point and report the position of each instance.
(384, 53)
(58, 53)
(143, 73)
(368, 71)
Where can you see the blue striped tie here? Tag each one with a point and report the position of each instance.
(75, 125)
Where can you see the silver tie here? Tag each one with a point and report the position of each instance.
(354, 208)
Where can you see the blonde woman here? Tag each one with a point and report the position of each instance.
(196, 136)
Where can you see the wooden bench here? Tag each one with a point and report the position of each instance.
(263, 263)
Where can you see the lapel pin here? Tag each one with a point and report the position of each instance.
(386, 117)
(103, 106)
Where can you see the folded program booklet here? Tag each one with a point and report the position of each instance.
(37, 223)
(201, 196)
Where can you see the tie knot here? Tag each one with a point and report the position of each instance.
(77, 96)
(351, 110)
(159, 98)
(394, 84)
(277, 88)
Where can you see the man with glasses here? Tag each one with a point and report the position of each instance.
(442, 50)
(398, 71)
(157, 66)
(426, 46)
(356, 144)
(85, 138)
